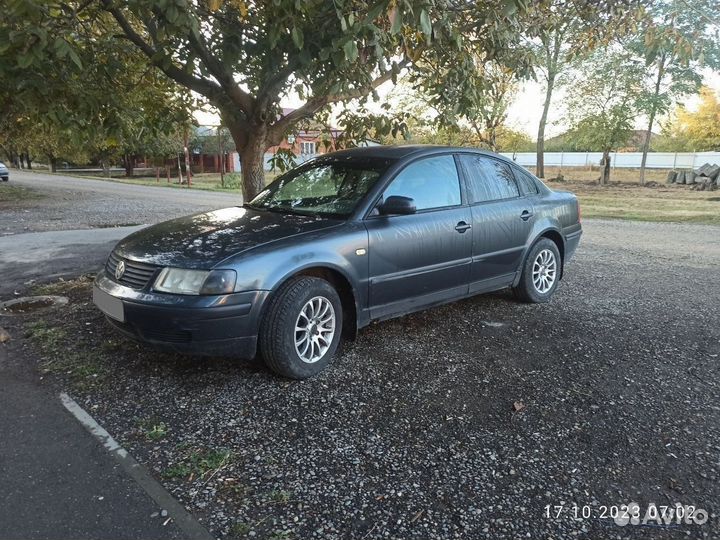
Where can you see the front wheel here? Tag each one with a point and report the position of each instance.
(540, 274)
(301, 328)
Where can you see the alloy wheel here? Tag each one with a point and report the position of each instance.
(314, 329)
(544, 271)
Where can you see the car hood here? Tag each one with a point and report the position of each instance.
(204, 240)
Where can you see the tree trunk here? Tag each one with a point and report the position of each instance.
(251, 144)
(53, 163)
(605, 171)
(651, 119)
(552, 58)
(129, 162)
(28, 160)
(252, 159)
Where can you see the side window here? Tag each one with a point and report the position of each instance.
(431, 182)
(489, 179)
(525, 182)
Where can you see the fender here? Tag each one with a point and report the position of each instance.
(540, 229)
(267, 267)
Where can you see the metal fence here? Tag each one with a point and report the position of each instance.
(623, 160)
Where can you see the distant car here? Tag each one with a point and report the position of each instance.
(4, 172)
(346, 239)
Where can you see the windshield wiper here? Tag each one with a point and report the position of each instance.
(254, 206)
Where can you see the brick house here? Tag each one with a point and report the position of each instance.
(307, 143)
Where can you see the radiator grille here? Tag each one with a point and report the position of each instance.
(137, 275)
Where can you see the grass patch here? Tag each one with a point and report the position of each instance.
(62, 286)
(197, 463)
(14, 194)
(658, 204)
(281, 496)
(153, 429)
(81, 364)
(624, 198)
(239, 529)
(48, 338)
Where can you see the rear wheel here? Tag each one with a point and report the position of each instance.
(301, 329)
(540, 274)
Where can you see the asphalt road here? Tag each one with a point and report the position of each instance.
(27, 258)
(57, 481)
(79, 203)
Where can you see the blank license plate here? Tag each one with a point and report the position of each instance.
(111, 306)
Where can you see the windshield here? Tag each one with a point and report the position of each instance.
(322, 188)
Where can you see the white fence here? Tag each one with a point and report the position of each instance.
(623, 160)
(267, 164)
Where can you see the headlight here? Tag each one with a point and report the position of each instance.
(180, 281)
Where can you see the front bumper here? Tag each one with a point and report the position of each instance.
(223, 325)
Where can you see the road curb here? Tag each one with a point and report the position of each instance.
(182, 518)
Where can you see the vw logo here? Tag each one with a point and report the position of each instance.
(120, 270)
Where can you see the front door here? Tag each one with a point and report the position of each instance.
(424, 258)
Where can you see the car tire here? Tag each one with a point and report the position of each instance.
(307, 303)
(540, 273)
(5, 178)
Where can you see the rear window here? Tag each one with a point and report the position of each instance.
(526, 183)
(489, 179)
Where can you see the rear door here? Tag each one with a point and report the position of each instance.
(501, 218)
(423, 258)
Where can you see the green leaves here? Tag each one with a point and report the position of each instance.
(75, 58)
(351, 50)
(71, 87)
(297, 37)
(395, 16)
(425, 23)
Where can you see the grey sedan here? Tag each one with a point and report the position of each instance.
(349, 238)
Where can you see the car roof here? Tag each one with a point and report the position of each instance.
(403, 151)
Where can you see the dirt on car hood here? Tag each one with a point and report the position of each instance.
(203, 240)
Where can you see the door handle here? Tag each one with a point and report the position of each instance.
(526, 215)
(462, 227)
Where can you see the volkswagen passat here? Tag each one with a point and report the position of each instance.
(344, 240)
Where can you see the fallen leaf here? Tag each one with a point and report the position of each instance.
(518, 406)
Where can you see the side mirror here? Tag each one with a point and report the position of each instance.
(397, 205)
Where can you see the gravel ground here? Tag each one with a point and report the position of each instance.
(80, 203)
(462, 421)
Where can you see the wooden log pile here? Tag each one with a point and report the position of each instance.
(703, 178)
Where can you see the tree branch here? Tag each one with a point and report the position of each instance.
(202, 86)
(313, 105)
(235, 93)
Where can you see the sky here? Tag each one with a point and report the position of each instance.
(523, 114)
